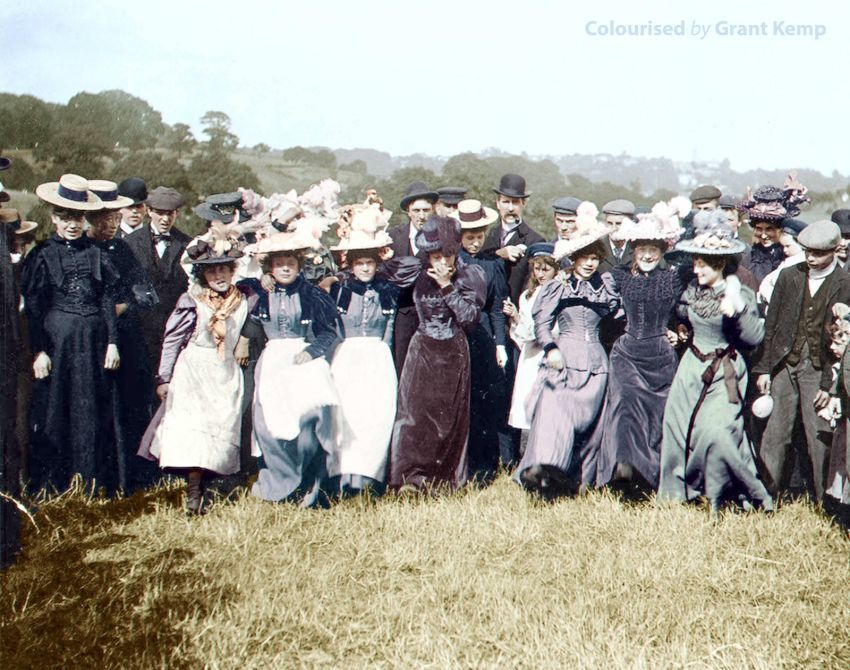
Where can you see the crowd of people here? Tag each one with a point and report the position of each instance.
(642, 349)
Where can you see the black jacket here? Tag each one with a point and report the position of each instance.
(516, 273)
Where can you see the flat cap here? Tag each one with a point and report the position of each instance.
(619, 206)
(821, 235)
(566, 205)
(165, 198)
(842, 218)
(451, 195)
(728, 201)
(705, 193)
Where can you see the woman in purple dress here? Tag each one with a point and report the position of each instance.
(566, 402)
(642, 362)
(432, 420)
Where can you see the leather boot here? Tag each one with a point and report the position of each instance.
(194, 494)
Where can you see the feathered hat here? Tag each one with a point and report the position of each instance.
(663, 223)
(712, 236)
(588, 230)
(772, 204)
(363, 227)
(439, 233)
(220, 244)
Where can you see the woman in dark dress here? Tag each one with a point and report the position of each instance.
(643, 361)
(488, 407)
(566, 401)
(132, 388)
(432, 420)
(68, 286)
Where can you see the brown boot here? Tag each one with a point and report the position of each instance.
(194, 493)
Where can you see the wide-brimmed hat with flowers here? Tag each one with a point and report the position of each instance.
(301, 234)
(363, 227)
(220, 244)
(712, 236)
(588, 230)
(772, 204)
(663, 223)
(70, 192)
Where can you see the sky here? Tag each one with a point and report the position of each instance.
(443, 77)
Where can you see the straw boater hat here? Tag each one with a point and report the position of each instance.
(663, 223)
(367, 229)
(712, 236)
(70, 192)
(473, 215)
(588, 230)
(109, 195)
(10, 217)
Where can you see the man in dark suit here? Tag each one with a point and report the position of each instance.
(132, 216)
(793, 365)
(619, 252)
(513, 235)
(159, 246)
(418, 204)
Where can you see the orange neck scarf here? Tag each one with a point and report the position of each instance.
(222, 306)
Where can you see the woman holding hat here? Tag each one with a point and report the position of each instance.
(68, 285)
(294, 392)
(197, 429)
(362, 368)
(643, 361)
(487, 343)
(566, 402)
(432, 421)
(542, 268)
(704, 448)
(133, 391)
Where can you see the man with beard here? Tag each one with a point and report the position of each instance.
(133, 215)
(793, 365)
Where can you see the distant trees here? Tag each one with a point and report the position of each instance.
(323, 158)
(217, 129)
(25, 121)
(181, 140)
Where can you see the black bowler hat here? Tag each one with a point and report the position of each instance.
(417, 190)
(134, 188)
(5, 163)
(451, 195)
(842, 218)
(513, 186)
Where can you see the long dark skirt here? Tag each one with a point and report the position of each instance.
(639, 379)
(71, 421)
(488, 405)
(432, 420)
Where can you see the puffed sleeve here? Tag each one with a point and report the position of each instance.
(402, 271)
(750, 326)
(178, 331)
(36, 289)
(466, 295)
(546, 308)
(326, 326)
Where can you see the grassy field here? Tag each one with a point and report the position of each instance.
(485, 578)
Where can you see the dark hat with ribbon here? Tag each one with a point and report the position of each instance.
(222, 207)
(166, 199)
(513, 186)
(566, 205)
(451, 195)
(134, 188)
(214, 250)
(540, 249)
(5, 163)
(705, 193)
(842, 218)
(418, 190)
(439, 233)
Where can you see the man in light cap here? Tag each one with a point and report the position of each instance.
(564, 215)
(793, 364)
(619, 252)
(158, 246)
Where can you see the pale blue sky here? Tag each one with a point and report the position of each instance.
(441, 77)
